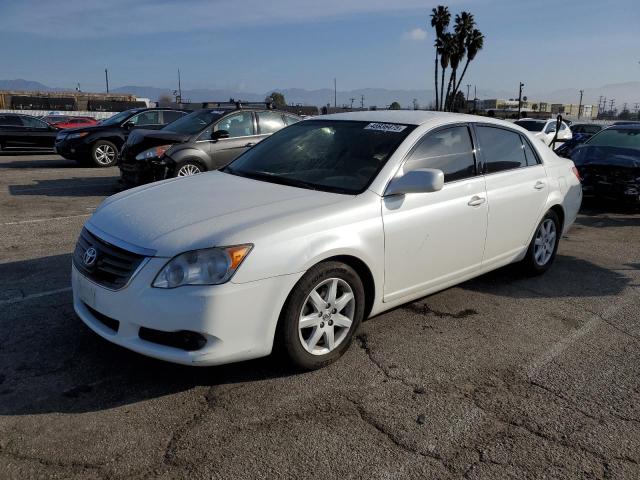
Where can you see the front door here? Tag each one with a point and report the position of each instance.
(517, 191)
(242, 135)
(37, 134)
(435, 239)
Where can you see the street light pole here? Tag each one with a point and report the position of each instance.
(520, 98)
(106, 78)
(580, 104)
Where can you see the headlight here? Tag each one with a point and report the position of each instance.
(77, 135)
(211, 266)
(155, 152)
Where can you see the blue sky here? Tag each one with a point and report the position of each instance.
(258, 45)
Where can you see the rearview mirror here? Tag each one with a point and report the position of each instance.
(422, 180)
(218, 134)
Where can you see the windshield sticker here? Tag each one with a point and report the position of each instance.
(385, 127)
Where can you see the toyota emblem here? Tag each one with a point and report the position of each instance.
(90, 256)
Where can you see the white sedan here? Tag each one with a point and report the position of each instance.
(327, 222)
(545, 130)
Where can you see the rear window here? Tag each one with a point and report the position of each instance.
(501, 149)
(10, 120)
(531, 125)
(616, 137)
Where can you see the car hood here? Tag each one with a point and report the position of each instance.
(202, 211)
(141, 140)
(587, 155)
(89, 128)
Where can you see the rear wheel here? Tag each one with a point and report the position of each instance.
(321, 315)
(104, 154)
(544, 245)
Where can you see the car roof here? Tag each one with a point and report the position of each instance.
(411, 117)
(625, 126)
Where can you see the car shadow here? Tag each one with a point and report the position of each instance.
(568, 277)
(51, 362)
(69, 187)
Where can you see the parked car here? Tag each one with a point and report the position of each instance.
(198, 142)
(566, 148)
(609, 163)
(586, 128)
(69, 121)
(20, 132)
(545, 130)
(326, 222)
(100, 144)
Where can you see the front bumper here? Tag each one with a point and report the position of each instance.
(141, 172)
(238, 321)
(72, 149)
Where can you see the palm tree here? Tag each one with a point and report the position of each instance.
(455, 56)
(447, 47)
(464, 26)
(440, 18)
(474, 43)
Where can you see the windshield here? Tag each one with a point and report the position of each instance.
(118, 117)
(333, 156)
(586, 128)
(531, 125)
(194, 122)
(616, 137)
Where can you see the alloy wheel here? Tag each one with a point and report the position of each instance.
(545, 242)
(187, 170)
(105, 154)
(326, 316)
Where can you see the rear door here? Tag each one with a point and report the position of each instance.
(242, 135)
(37, 134)
(11, 131)
(517, 191)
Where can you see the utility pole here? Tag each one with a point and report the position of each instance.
(520, 98)
(352, 100)
(604, 105)
(106, 78)
(580, 104)
(475, 97)
(599, 103)
(612, 102)
(179, 87)
(362, 101)
(335, 93)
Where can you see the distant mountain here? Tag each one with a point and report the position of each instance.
(25, 85)
(628, 92)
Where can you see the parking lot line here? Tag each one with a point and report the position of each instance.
(38, 220)
(34, 295)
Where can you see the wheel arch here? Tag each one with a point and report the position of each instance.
(559, 211)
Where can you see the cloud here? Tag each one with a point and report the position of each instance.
(417, 34)
(100, 18)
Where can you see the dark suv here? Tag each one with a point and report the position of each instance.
(203, 140)
(99, 144)
(24, 132)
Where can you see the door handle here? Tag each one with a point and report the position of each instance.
(539, 185)
(476, 200)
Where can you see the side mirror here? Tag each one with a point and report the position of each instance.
(218, 134)
(422, 180)
(128, 125)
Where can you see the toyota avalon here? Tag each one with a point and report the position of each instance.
(325, 223)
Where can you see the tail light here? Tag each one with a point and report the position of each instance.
(576, 173)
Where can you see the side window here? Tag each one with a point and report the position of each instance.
(151, 117)
(532, 158)
(563, 126)
(238, 125)
(449, 150)
(290, 120)
(33, 122)
(502, 149)
(169, 116)
(10, 120)
(269, 122)
(550, 128)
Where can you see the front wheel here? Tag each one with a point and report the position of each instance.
(104, 154)
(322, 315)
(544, 245)
(188, 168)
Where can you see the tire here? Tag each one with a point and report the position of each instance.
(104, 154)
(544, 245)
(186, 168)
(309, 347)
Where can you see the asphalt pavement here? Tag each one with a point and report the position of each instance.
(503, 376)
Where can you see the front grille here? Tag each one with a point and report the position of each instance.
(113, 266)
(103, 319)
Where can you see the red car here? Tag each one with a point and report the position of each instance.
(67, 121)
